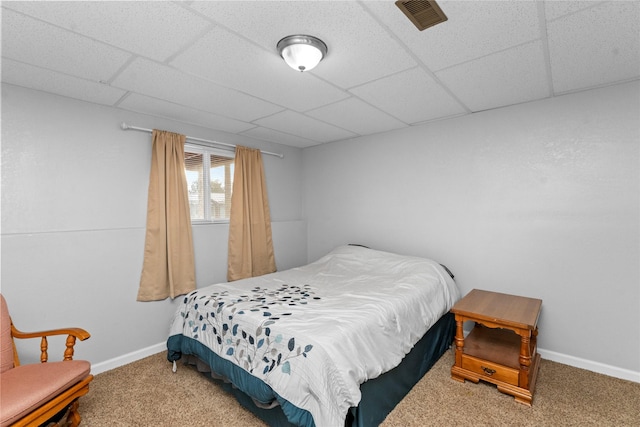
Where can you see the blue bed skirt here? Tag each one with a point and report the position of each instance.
(379, 395)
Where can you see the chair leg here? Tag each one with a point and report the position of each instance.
(74, 415)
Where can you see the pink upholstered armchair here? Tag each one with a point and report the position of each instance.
(33, 394)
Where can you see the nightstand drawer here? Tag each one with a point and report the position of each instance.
(490, 370)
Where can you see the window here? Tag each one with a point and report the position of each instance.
(209, 182)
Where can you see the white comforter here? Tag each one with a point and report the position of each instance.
(315, 333)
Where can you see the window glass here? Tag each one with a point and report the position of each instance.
(209, 175)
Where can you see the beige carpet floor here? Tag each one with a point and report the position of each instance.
(147, 393)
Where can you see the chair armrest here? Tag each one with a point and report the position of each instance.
(71, 333)
(79, 333)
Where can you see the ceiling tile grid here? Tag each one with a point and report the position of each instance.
(46, 80)
(44, 45)
(214, 63)
(161, 108)
(271, 135)
(154, 30)
(509, 77)
(412, 96)
(159, 81)
(473, 30)
(558, 9)
(225, 58)
(353, 37)
(356, 116)
(304, 126)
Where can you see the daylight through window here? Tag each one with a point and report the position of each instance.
(209, 175)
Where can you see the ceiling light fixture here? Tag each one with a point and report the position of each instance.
(302, 53)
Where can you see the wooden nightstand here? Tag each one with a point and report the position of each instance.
(501, 348)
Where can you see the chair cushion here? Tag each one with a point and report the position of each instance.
(6, 341)
(26, 387)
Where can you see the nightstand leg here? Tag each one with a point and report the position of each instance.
(459, 340)
(524, 359)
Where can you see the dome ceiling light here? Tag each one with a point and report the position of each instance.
(301, 52)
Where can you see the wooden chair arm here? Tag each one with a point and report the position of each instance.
(71, 333)
(79, 333)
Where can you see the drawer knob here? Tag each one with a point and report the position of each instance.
(488, 371)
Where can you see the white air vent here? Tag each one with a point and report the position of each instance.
(423, 13)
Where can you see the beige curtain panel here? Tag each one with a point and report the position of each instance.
(250, 244)
(169, 267)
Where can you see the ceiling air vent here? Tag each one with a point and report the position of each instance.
(423, 13)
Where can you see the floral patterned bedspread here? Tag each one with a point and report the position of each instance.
(315, 333)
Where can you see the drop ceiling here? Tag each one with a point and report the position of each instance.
(214, 63)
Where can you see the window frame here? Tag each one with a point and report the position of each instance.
(206, 152)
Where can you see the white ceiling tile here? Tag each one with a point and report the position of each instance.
(34, 42)
(510, 77)
(165, 29)
(163, 82)
(412, 96)
(306, 127)
(265, 134)
(596, 46)
(160, 108)
(356, 116)
(473, 29)
(229, 60)
(37, 78)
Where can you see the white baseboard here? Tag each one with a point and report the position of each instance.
(590, 365)
(577, 362)
(125, 359)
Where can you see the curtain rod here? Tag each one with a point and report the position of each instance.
(125, 126)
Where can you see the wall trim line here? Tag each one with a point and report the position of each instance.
(590, 365)
(576, 362)
(125, 359)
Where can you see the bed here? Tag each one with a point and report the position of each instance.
(339, 341)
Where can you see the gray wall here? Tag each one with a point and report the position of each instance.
(74, 194)
(539, 199)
